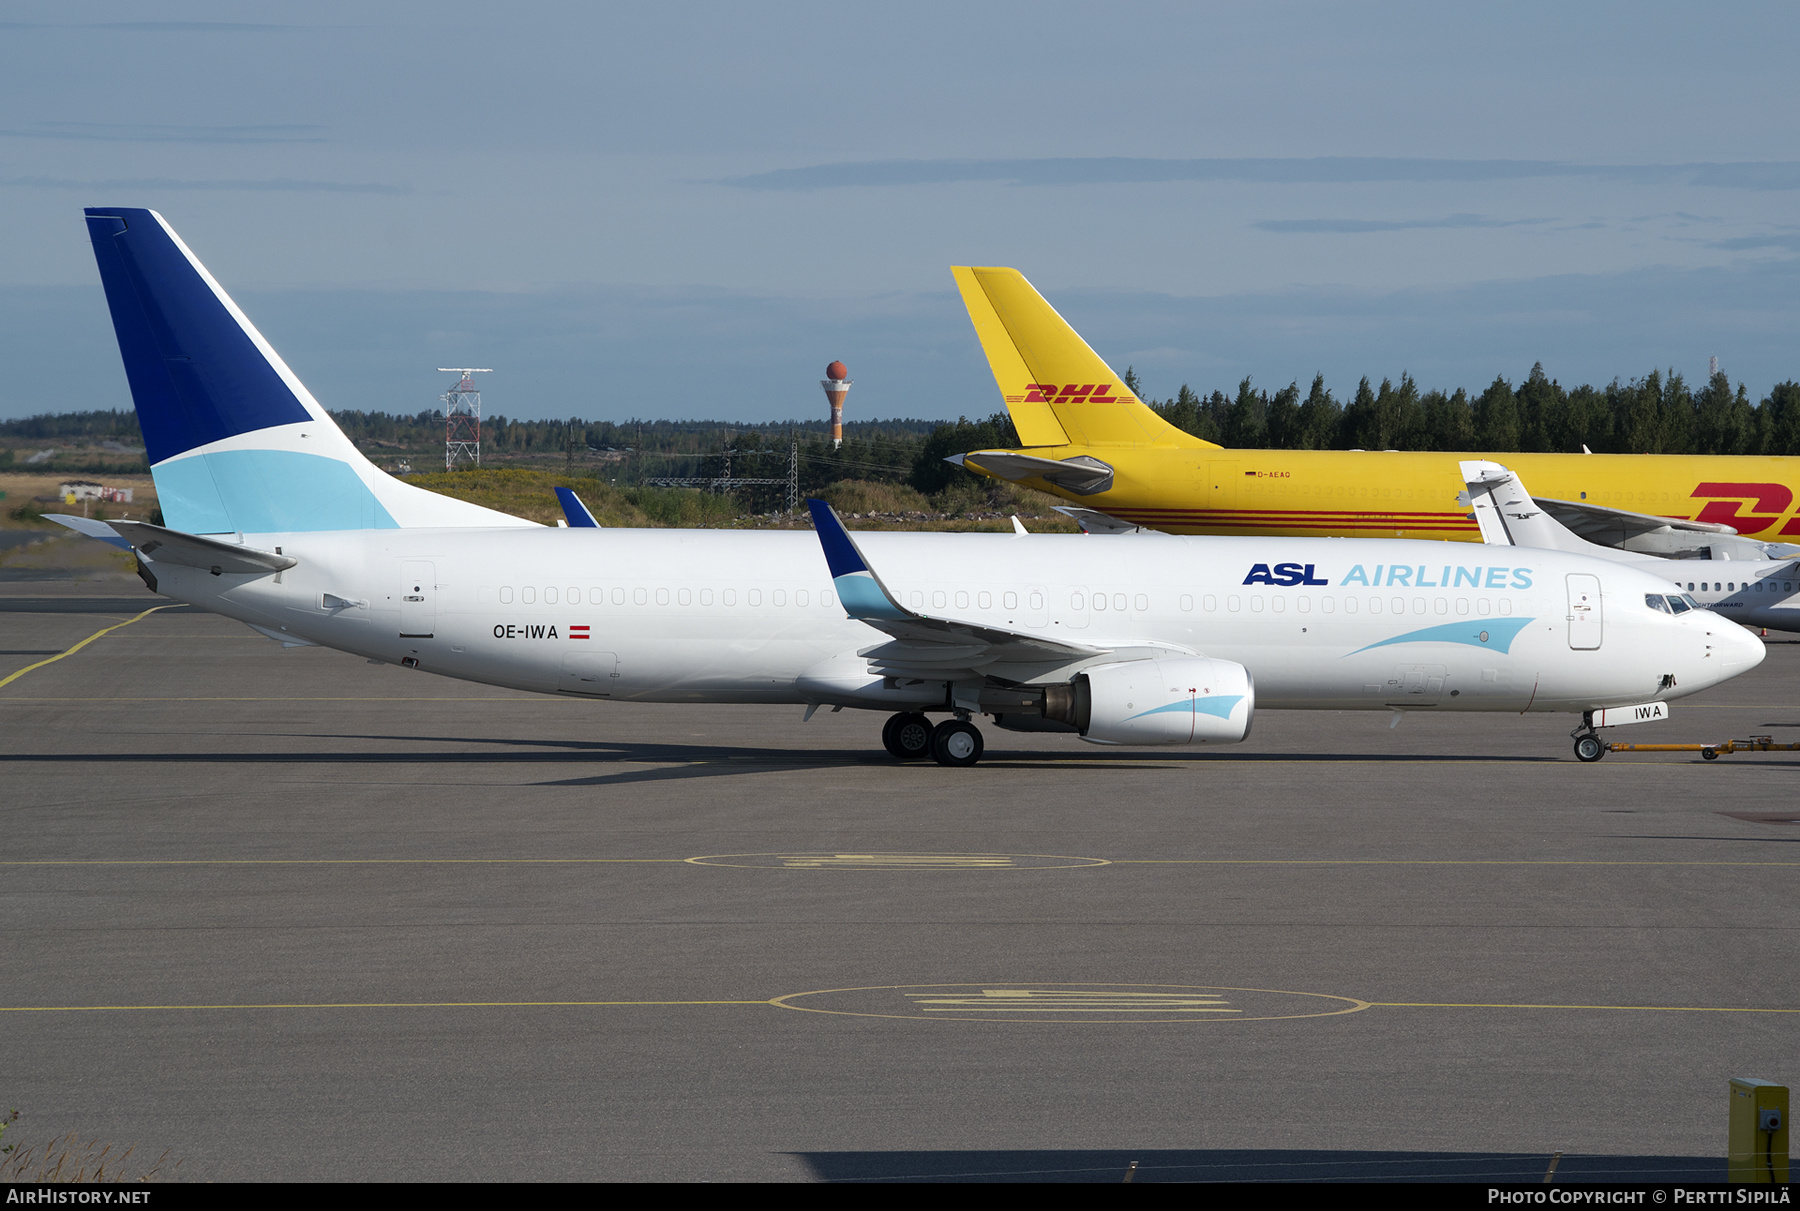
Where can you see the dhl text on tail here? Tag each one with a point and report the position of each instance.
(1087, 438)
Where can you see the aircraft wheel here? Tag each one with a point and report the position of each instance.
(907, 736)
(1589, 748)
(956, 742)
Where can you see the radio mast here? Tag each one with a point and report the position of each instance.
(462, 418)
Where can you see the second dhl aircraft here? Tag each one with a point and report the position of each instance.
(1086, 438)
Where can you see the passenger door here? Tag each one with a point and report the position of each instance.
(1587, 623)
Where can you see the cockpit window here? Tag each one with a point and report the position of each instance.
(1680, 603)
(1655, 601)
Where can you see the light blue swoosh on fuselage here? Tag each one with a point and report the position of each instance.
(1496, 633)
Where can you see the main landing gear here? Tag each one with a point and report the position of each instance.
(909, 736)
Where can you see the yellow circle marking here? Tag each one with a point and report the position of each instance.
(908, 861)
(1065, 1003)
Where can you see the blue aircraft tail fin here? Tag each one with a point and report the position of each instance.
(235, 441)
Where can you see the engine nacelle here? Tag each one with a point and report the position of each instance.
(1177, 700)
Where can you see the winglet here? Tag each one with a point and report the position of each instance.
(861, 591)
(580, 518)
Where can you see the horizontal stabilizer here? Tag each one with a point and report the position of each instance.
(192, 551)
(1083, 475)
(92, 527)
(580, 517)
(1093, 521)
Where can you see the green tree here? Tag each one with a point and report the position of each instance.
(1497, 417)
(1319, 417)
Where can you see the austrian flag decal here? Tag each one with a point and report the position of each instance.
(580, 632)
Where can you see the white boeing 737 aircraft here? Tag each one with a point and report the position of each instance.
(272, 517)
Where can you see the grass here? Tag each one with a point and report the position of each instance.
(68, 1159)
(863, 505)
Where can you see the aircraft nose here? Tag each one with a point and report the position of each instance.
(1737, 650)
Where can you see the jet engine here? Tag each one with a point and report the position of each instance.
(1177, 700)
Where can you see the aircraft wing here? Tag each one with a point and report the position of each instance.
(1083, 474)
(1598, 523)
(1509, 517)
(922, 643)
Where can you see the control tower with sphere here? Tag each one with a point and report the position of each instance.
(837, 385)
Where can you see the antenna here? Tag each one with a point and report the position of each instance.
(462, 417)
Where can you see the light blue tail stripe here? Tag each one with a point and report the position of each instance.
(265, 492)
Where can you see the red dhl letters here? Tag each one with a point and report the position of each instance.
(1772, 500)
(1073, 393)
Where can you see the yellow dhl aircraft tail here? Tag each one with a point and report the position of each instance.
(1089, 440)
(1057, 389)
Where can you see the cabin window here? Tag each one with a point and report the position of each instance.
(1374, 605)
(506, 595)
(1483, 606)
(1075, 602)
(1303, 603)
(1350, 605)
(640, 596)
(1256, 603)
(984, 601)
(937, 599)
(683, 597)
(728, 597)
(1099, 603)
(754, 597)
(528, 595)
(662, 597)
(1234, 603)
(706, 597)
(618, 596)
(596, 596)
(1441, 605)
(1119, 601)
(1037, 603)
(779, 597)
(962, 599)
(1277, 603)
(1186, 602)
(1326, 604)
(1210, 604)
(1010, 601)
(1506, 605)
(550, 595)
(800, 597)
(1400, 605)
(825, 599)
(1462, 605)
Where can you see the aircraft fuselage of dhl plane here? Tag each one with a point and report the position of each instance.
(1085, 437)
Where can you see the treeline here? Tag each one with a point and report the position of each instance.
(1650, 415)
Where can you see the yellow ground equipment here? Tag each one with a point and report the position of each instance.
(1758, 1151)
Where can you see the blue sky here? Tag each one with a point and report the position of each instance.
(687, 209)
